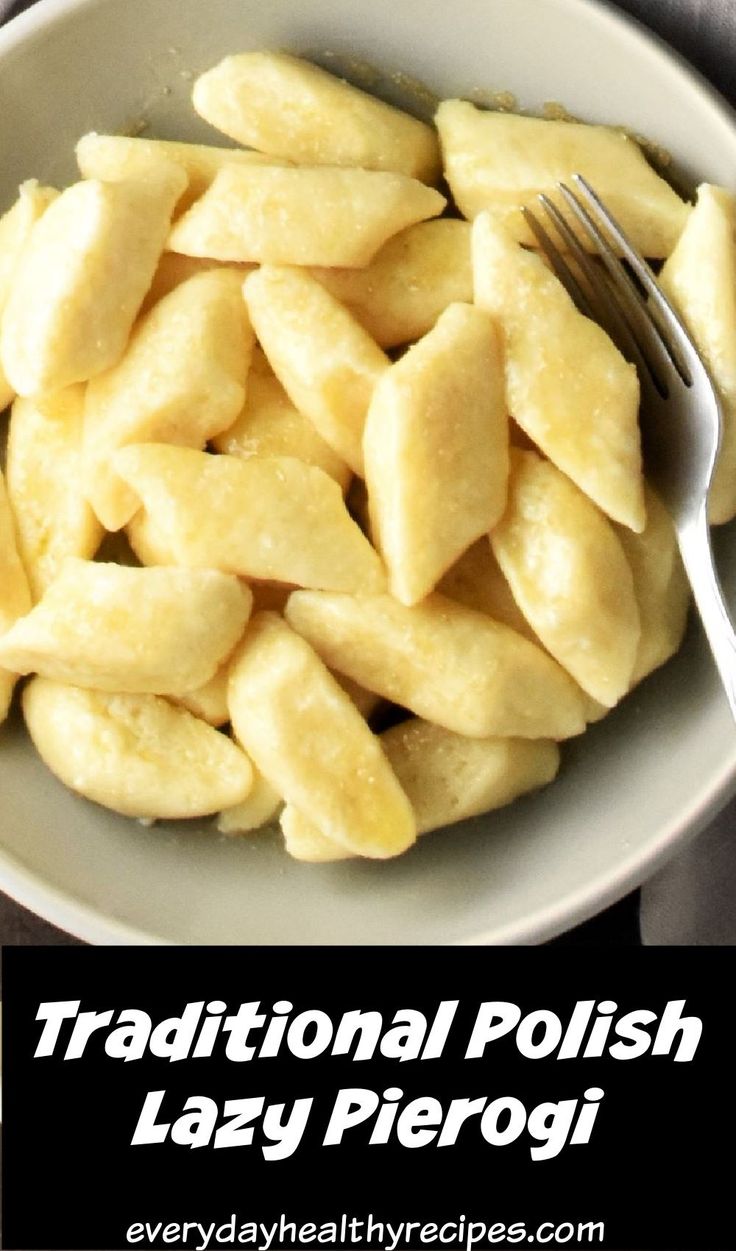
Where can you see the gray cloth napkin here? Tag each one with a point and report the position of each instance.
(693, 900)
(704, 31)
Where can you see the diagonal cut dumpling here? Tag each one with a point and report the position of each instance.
(567, 385)
(112, 158)
(324, 359)
(569, 576)
(136, 754)
(445, 662)
(182, 380)
(261, 807)
(284, 216)
(477, 581)
(173, 269)
(400, 294)
(81, 279)
(15, 230)
(270, 425)
(435, 448)
(209, 702)
(53, 518)
(311, 744)
(500, 162)
(661, 588)
(270, 517)
(700, 279)
(113, 628)
(283, 105)
(446, 777)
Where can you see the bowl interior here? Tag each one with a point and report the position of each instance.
(633, 786)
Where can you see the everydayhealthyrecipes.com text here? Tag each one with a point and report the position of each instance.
(350, 1231)
(256, 1033)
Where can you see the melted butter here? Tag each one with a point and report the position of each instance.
(497, 101)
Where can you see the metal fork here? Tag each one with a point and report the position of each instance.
(680, 411)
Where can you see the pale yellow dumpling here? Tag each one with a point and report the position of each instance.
(270, 425)
(283, 216)
(312, 745)
(15, 230)
(700, 279)
(287, 107)
(569, 576)
(435, 449)
(567, 385)
(498, 162)
(261, 807)
(400, 294)
(477, 581)
(271, 517)
(661, 588)
(44, 471)
(112, 158)
(136, 754)
(113, 628)
(447, 778)
(81, 279)
(209, 702)
(181, 381)
(326, 362)
(445, 662)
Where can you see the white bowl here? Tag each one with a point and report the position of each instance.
(634, 787)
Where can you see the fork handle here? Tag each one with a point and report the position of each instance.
(697, 557)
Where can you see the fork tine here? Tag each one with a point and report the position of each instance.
(558, 262)
(606, 307)
(657, 308)
(660, 358)
(600, 301)
(580, 255)
(684, 423)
